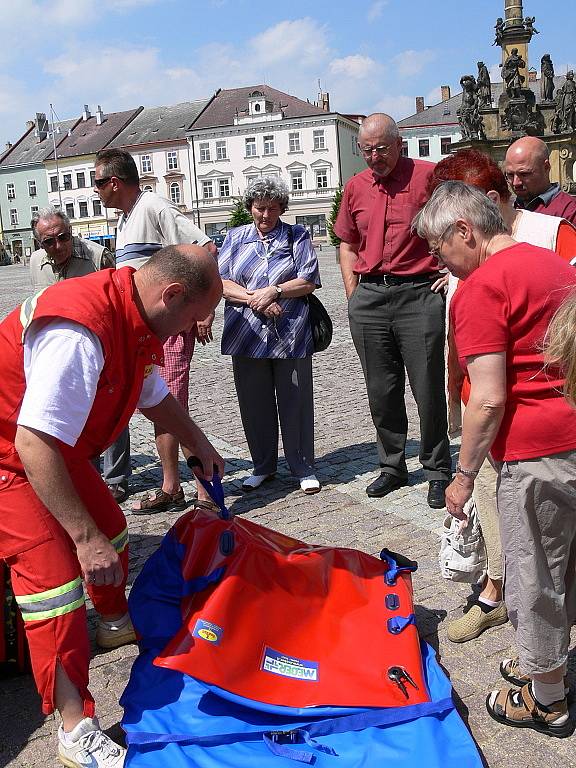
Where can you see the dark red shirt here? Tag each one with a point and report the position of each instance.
(376, 216)
(553, 202)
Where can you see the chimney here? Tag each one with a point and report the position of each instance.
(99, 115)
(419, 104)
(532, 75)
(86, 113)
(445, 92)
(9, 143)
(30, 124)
(41, 127)
(324, 101)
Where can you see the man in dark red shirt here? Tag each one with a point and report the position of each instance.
(527, 169)
(395, 306)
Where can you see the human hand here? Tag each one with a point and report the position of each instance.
(441, 284)
(205, 460)
(261, 298)
(274, 310)
(457, 494)
(204, 329)
(99, 562)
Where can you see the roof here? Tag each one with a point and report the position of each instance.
(227, 103)
(29, 151)
(444, 113)
(87, 137)
(155, 124)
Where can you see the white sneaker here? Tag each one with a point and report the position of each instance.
(88, 747)
(310, 484)
(255, 481)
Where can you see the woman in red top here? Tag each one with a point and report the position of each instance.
(500, 315)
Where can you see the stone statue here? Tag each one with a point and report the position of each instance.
(566, 105)
(529, 22)
(469, 117)
(499, 31)
(484, 86)
(511, 74)
(546, 78)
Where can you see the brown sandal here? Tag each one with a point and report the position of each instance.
(160, 501)
(519, 708)
(205, 504)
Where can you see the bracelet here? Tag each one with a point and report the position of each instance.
(466, 472)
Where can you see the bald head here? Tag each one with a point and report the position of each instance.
(380, 143)
(177, 286)
(527, 167)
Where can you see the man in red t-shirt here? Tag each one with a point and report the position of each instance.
(516, 411)
(395, 306)
(527, 169)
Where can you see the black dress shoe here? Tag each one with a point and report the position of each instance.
(384, 485)
(436, 493)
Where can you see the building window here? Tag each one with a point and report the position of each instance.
(11, 191)
(224, 187)
(445, 144)
(221, 153)
(32, 188)
(250, 147)
(319, 142)
(67, 178)
(294, 142)
(53, 183)
(97, 207)
(33, 211)
(207, 189)
(250, 179)
(80, 180)
(175, 193)
(83, 206)
(147, 188)
(269, 145)
(322, 179)
(92, 178)
(146, 163)
(297, 180)
(316, 225)
(14, 217)
(69, 207)
(404, 151)
(424, 147)
(204, 152)
(172, 160)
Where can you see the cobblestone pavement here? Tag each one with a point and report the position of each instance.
(341, 515)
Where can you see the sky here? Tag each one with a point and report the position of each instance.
(371, 55)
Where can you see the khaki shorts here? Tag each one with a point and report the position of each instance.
(537, 509)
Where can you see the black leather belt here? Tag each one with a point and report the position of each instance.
(387, 279)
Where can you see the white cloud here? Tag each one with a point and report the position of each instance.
(355, 66)
(376, 9)
(397, 106)
(434, 96)
(410, 63)
(302, 41)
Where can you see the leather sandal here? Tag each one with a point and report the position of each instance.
(160, 501)
(520, 709)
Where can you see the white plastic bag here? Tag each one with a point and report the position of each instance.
(462, 555)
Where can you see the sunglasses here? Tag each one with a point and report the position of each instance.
(50, 242)
(99, 183)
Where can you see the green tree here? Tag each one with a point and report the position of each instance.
(239, 215)
(334, 239)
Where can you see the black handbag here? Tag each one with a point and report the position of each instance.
(320, 320)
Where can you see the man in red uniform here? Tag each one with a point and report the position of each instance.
(395, 306)
(78, 358)
(527, 169)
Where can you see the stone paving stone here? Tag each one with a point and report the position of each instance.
(341, 515)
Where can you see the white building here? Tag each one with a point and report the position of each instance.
(431, 131)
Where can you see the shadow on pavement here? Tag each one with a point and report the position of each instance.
(20, 716)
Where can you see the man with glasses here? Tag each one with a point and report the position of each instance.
(62, 254)
(148, 223)
(395, 306)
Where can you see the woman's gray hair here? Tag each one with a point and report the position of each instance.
(47, 213)
(455, 200)
(269, 188)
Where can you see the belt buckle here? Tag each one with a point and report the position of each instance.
(385, 280)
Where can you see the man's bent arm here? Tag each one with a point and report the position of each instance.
(348, 259)
(172, 418)
(49, 477)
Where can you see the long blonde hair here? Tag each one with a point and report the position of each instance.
(560, 344)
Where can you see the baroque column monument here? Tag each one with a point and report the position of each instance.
(547, 109)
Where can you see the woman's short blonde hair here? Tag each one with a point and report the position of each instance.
(560, 344)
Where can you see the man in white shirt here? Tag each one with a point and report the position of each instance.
(86, 361)
(149, 222)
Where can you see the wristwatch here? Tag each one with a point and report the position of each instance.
(278, 290)
(466, 472)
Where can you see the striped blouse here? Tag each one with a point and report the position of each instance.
(254, 263)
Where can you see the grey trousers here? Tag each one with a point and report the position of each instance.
(273, 389)
(117, 467)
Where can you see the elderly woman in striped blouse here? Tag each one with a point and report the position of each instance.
(268, 268)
